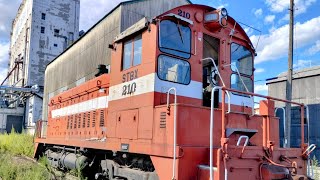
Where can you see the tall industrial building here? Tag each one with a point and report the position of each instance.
(41, 30)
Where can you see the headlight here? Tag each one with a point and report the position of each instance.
(211, 17)
(224, 12)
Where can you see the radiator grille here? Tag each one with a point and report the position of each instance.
(101, 118)
(94, 119)
(163, 120)
(79, 120)
(84, 120)
(75, 121)
(88, 122)
(71, 121)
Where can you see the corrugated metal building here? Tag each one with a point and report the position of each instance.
(305, 89)
(79, 62)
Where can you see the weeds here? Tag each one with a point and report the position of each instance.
(315, 164)
(11, 168)
(17, 144)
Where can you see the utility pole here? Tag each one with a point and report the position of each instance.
(289, 78)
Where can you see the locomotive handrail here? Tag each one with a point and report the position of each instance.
(276, 99)
(238, 75)
(252, 110)
(211, 128)
(308, 123)
(309, 169)
(243, 137)
(215, 66)
(174, 129)
(245, 143)
(284, 123)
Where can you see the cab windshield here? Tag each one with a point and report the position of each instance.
(175, 38)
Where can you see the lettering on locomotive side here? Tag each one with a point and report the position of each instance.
(129, 76)
(132, 87)
(184, 14)
(129, 89)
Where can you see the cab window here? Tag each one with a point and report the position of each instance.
(175, 38)
(173, 70)
(132, 52)
(242, 62)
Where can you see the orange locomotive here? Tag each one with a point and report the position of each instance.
(177, 104)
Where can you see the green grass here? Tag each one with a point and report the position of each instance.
(13, 164)
(17, 144)
(17, 168)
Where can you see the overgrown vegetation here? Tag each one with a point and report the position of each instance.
(14, 165)
(315, 164)
(17, 144)
(19, 169)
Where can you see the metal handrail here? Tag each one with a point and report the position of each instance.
(227, 92)
(237, 70)
(243, 137)
(252, 110)
(308, 123)
(174, 129)
(284, 123)
(276, 99)
(215, 66)
(309, 167)
(211, 129)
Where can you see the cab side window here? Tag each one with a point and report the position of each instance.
(242, 68)
(132, 52)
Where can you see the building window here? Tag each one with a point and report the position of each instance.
(43, 29)
(70, 36)
(55, 45)
(43, 16)
(132, 52)
(56, 32)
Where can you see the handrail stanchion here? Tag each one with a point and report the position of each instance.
(309, 168)
(211, 129)
(174, 129)
(302, 126)
(284, 123)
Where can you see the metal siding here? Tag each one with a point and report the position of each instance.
(133, 12)
(82, 59)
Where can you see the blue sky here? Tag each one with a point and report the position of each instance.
(269, 16)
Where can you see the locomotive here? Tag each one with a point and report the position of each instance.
(177, 104)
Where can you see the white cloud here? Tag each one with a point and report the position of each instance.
(260, 88)
(274, 45)
(301, 6)
(315, 48)
(259, 70)
(8, 11)
(269, 18)
(223, 6)
(258, 12)
(4, 58)
(92, 11)
(302, 64)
